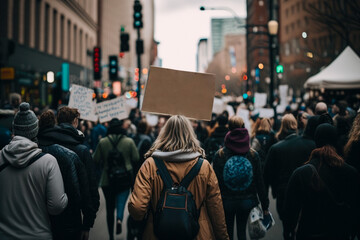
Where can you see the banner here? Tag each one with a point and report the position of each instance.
(115, 108)
(260, 100)
(81, 99)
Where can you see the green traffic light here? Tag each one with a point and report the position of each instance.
(279, 69)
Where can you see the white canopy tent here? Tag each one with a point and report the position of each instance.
(342, 73)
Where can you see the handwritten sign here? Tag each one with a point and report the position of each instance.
(81, 99)
(115, 108)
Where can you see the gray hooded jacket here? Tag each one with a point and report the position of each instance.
(28, 194)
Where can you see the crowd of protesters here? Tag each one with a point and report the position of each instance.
(53, 163)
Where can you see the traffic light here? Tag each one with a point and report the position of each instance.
(137, 15)
(124, 42)
(113, 67)
(279, 68)
(97, 63)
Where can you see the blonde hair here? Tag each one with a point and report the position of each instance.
(177, 134)
(288, 123)
(236, 122)
(265, 125)
(354, 134)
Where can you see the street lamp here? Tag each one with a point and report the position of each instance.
(273, 29)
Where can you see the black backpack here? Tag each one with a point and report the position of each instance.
(214, 145)
(176, 215)
(120, 178)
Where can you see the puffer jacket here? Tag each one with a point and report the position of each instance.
(204, 187)
(76, 187)
(66, 135)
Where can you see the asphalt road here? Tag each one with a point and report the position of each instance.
(99, 231)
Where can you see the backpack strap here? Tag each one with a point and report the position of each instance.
(164, 173)
(192, 173)
(2, 167)
(114, 144)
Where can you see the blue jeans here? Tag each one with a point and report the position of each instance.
(241, 209)
(113, 200)
(120, 203)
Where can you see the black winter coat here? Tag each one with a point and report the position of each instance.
(283, 158)
(75, 182)
(329, 206)
(215, 142)
(69, 137)
(257, 185)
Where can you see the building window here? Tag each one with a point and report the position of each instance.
(47, 32)
(37, 24)
(287, 49)
(287, 12)
(15, 20)
(55, 40)
(299, 23)
(61, 37)
(27, 24)
(287, 29)
(75, 48)
(298, 6)
(69, 40)
(81, 47)
(292, 9)
(292, 27)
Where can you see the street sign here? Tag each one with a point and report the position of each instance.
(7, 73)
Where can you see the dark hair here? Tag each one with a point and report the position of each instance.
(327, 154)
(143, 127)
(222, 120)
(47, 120)
(67, 115)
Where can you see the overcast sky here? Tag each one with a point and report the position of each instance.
(179, 25)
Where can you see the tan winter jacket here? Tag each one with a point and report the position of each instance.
(205, 189)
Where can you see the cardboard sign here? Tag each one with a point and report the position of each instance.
(81, 98)
(115, 108)
(172, 92)
(245, 115)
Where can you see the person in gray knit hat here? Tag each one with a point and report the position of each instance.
(25, 122)
(31, 184)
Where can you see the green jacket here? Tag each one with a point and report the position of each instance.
(126, 146)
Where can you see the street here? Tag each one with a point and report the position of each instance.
(99, 231)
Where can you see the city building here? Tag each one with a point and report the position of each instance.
(224, 26)
(311, 37)
(41, 36)
(229, 66)
(115, 15)
(258, 45)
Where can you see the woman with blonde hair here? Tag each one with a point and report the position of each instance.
(288, 126)
(179, 150)
(239, 187)
(263, 139)
(352, 148)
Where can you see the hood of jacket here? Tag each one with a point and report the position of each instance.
(20, 151)
(63, 134)
(176, 156)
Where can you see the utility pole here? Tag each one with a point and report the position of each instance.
(138, 24)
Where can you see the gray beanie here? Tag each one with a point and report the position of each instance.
(25, 122)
